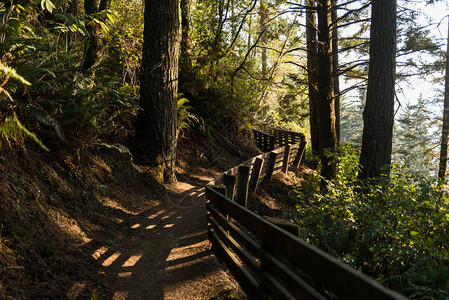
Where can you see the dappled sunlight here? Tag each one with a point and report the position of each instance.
(156, 214)
(150, 227)
(179, 252)
(124, 274)
(169, 225)
(120, 295)
(135, 226)
(132, 260)
(99, 252)
(111, 259)
(108, 202)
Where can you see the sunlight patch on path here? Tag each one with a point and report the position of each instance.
(99, 252)
(111, 259)
(132, 260)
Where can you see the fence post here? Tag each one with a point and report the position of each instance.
(242, 190)
(229, 182)
(300, 154)
(257, 168)
(271, 143)
(271, 163)
(286, 159)
(220, 188)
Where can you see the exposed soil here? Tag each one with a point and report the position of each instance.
(89, 222)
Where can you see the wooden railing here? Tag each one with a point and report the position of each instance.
(267, 260)
(275, 136)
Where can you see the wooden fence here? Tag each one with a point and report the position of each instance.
(268, 261)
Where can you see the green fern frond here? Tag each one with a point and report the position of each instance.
(44, 118)
(13, 74)
(13, 128)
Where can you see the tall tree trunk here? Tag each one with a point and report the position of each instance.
(263, 16)
(312, 67)
(326, 108)
(104, 4)
(445, 132)
(378, 116)
(93, 44)
(157, 125)
(185, 33)
(335, 77)
(73, 7)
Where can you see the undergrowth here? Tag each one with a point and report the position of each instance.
(393, 229)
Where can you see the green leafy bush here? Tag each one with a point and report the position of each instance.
(392, 229)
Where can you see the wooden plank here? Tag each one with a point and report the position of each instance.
(255, 174)
(230, 182)
(296, 286)
(285, 162)
(246, 280)
(220, 188)
(299, 155)
(271, 163)
(242, 190)
(338, 277)
(276, 289)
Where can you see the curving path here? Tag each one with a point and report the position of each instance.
(163, 251)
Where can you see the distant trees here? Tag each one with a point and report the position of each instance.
(156, 126)
(378, 115)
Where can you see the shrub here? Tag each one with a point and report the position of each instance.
(393, 229)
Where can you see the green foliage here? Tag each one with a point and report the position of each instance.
(393, 229)
(185, 118)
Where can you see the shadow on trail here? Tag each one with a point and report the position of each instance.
(161, 252)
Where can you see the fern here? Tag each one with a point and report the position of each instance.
(185, 117)
(13, 128)
(46, 119)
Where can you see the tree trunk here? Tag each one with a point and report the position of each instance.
(445, 131)
(378, 116)
(185, 58)
(326, 108)
(93, 44)
(156, 126)
(185, 36)
(335, 76)
(73, 7)
(312, 67)
(104, 4)
(263, 16)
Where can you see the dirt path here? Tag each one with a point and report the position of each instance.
(163, 251)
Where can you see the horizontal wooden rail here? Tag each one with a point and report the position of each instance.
(267, 260)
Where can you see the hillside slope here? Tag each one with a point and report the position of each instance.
(84, 221)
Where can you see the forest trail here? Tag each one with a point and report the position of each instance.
(163, 252)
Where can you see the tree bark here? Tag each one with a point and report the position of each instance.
(185, 33)
(326, 108)
(378, 115)
(312, 67)
(93, 44)
(335, 76)
(156, 126)
(445, 131)
(263, 16)
(73, 7)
